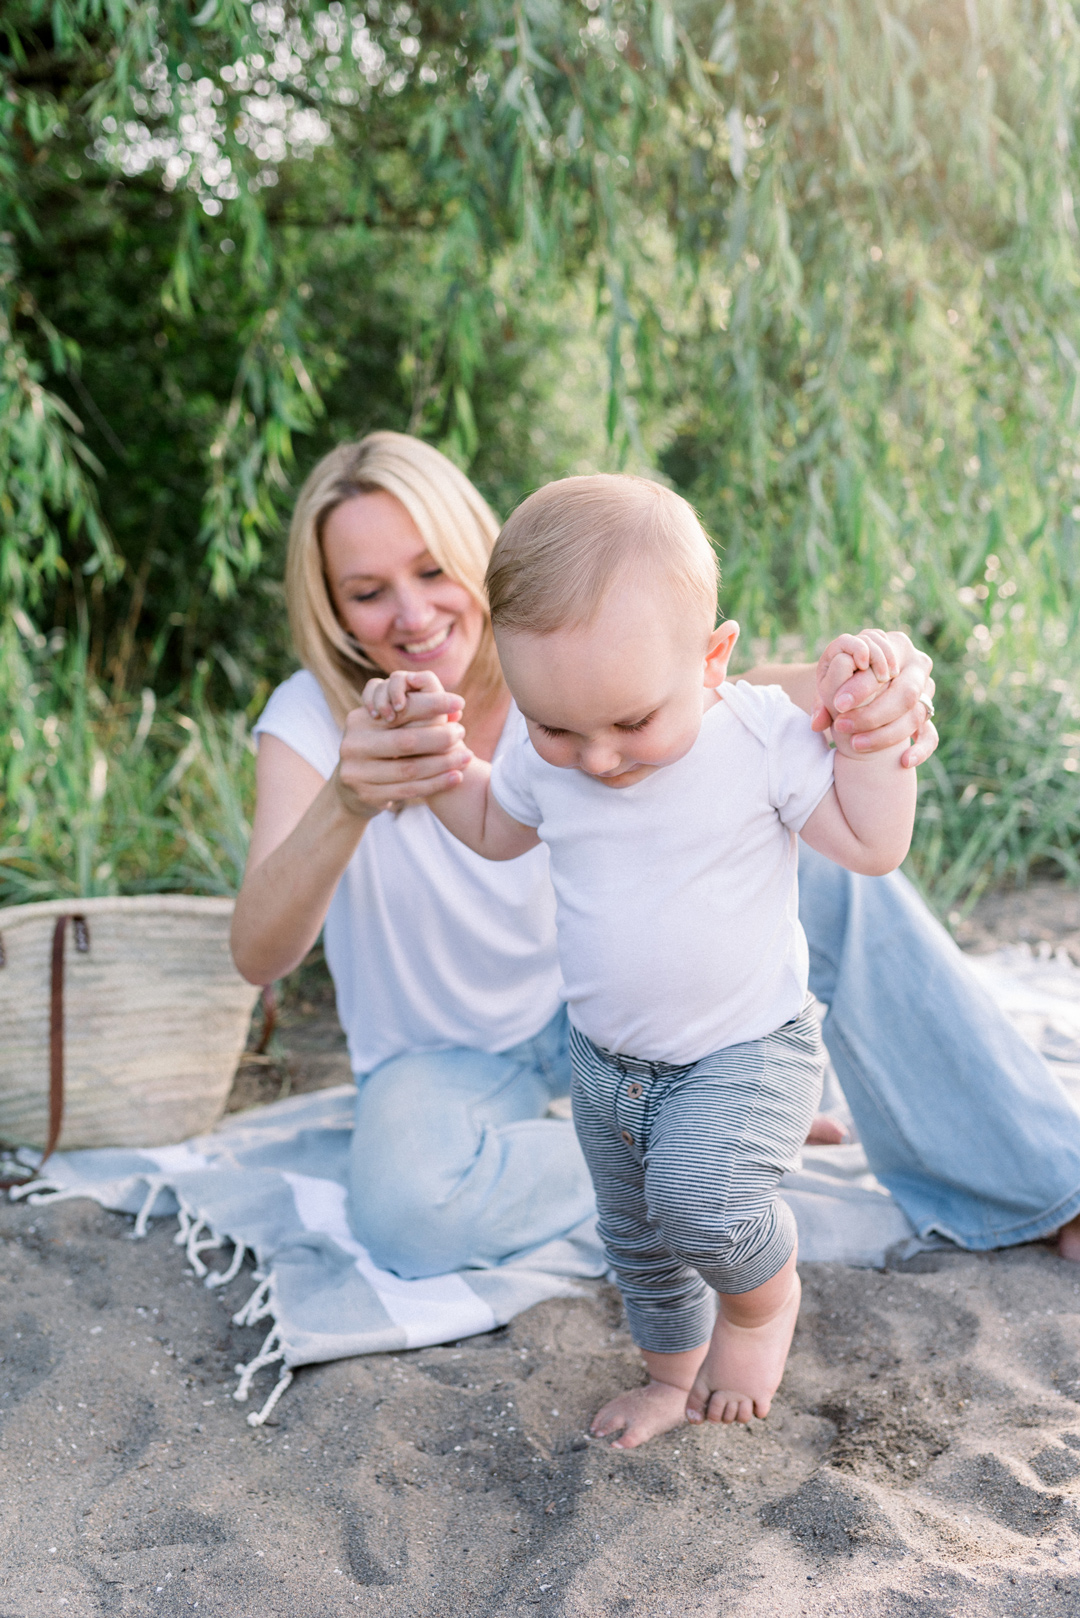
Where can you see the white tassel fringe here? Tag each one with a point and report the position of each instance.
(257, 1417)
(220, 1278)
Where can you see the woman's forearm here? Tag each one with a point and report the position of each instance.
(283, 901)
(799, 680)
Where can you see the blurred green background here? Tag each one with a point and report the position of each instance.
(814, 264)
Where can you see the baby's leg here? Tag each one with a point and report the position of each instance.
(611, 1111)
(732, 1378)
(726, 1132)
(743, 1365)
(643, 1413)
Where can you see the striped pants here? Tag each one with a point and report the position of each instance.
(685, 1162)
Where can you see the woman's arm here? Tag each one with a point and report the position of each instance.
(877, 717)
(302, 840)
(306, 830)
(799, 680)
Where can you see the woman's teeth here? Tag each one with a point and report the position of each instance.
(416, 648)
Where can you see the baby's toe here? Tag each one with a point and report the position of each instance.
(730, 1407)
(632, 1437)
(697, 1403)
(722, 1407)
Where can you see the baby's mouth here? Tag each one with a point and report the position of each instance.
(423, 648)
(625, 777)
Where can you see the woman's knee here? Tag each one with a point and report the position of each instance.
(411, 1238)
(397, 1210)
(406, 1153)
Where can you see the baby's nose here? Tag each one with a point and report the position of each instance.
(599, 759)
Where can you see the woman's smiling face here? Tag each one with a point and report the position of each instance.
(392, 597)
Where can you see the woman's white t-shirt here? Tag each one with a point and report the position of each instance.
(430, 946)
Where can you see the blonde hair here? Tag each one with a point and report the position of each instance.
(563, 548)
(455, 522)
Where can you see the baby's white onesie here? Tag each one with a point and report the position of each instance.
(677, 898)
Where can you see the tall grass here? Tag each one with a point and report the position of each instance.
(105, 793)
(1000, 800)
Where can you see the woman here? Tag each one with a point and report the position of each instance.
(444, 964)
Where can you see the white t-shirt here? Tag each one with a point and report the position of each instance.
(430, 946)
(677, 898)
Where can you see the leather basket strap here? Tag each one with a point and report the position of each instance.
(56, 1036)
(270, 1017)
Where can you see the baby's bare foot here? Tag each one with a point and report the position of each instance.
(744, 1365)
(641, 1414)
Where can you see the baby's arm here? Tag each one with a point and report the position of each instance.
(476, 817)
(469, 810)
(865, 821)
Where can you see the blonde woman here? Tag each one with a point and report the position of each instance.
(444, 963)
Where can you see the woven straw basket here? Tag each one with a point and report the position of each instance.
(136, 1005)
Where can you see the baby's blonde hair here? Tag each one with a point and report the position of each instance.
(455, 522)
(562, 549)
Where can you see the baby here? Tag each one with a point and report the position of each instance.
(669, 800)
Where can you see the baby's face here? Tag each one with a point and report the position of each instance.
(620, 697)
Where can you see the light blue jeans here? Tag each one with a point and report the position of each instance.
(455, 1165)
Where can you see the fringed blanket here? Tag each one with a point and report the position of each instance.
(273, 1180)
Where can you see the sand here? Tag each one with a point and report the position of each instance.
(922, 1457)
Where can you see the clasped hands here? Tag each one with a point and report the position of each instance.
(406, 741)
(875, 691)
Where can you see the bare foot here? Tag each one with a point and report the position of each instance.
(641, 1414)
(744, 1364)
(1069, 1240)
(826, 1132)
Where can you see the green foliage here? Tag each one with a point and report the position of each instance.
(817, 264)
(999, 799)
(103, 796)
(893, 384)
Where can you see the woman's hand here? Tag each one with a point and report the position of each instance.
(876, 687)
(403, 743)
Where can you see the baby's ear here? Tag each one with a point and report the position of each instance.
(721, 645)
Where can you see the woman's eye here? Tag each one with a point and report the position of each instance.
(366, 595)
(432, 573)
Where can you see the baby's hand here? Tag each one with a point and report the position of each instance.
(410, 699)
(870, 653)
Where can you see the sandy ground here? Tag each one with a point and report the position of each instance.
(922, 1458)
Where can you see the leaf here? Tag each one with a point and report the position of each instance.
(724, 43)
(737, 138)
(664, 35)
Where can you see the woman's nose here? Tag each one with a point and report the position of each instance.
(411, 610)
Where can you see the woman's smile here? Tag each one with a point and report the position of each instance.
(421, 650)
(391, 595)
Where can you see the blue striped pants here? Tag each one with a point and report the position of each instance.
(685, 1162)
